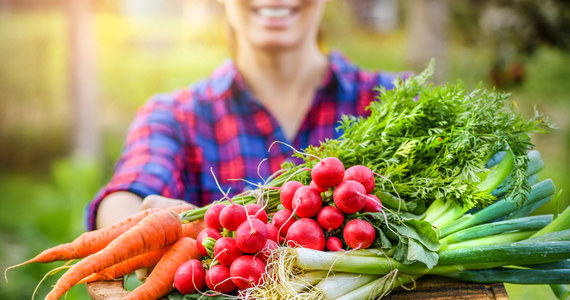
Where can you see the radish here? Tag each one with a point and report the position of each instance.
(206, 232)
(328, 172)
(212, 217)
(358, 234)
(265, 253)
(306, 202)
(349, 196)
(218, 279)
(257, 212)
(226, 250)
(330, 218)
(190, 277)
(232, 216)
(247, 271)
(361, 174)
(287, 192)
(372, 204)
(318, 188)
(334, 244)
(251, 236)
(273, 233)
(306, 233)
(283, 219)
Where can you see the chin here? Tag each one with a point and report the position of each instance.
(275, 47)
(276, 43)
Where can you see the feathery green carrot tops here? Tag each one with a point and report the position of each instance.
(434, 141)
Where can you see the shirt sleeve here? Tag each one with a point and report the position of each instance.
(152, 158)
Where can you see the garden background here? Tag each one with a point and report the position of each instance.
(73, 73)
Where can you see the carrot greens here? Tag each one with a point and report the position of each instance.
(432, 142)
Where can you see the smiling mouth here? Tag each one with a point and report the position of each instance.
(275, 12)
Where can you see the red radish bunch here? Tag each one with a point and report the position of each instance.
(241, 238)
(305, 222)
(242, 244)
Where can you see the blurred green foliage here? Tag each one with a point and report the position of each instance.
(37, 213)
(44, 191)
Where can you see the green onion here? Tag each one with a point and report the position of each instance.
(380, 287)
(340, 284)
(561, 264)
(499, 209)
(307, 280)
(511, 275)
(561, 222)
(507, 254)
(491, 240)
(487, 229)
(562, 235)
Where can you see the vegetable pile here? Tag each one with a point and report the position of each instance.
(437, 180)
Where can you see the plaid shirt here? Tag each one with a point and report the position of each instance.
(216, 125)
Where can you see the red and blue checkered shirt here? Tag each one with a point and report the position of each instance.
(216, 125)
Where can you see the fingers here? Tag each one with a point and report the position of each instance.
(158, 201)
(142, 274)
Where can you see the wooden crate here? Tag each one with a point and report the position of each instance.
(428, 287)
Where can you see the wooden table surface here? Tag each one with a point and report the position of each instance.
(428, 287)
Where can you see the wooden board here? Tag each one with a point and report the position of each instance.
(428, 287)
(436, 287)
(106, 290)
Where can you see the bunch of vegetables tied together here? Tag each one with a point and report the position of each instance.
(436, 180)
(239, 241)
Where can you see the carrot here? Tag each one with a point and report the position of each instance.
(87, 243)
(144, 260)
(93, 241)
(193, 228)
(160, 280)
(156, 231)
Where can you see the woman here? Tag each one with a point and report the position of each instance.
(279, 87)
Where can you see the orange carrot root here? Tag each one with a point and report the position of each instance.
(156, 231)
(193, 228)
(145, 260)
(160, 280)
(93, 241)
(87, 243)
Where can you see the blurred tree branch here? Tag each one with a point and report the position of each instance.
(83, 81)
(428, 26)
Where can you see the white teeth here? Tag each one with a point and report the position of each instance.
(274, 12)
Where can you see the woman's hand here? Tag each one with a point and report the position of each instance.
(116, 207)
(120, 205)
(156, 201)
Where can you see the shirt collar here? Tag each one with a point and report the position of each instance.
(222, 78)
(339, 69)
(342, 70)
